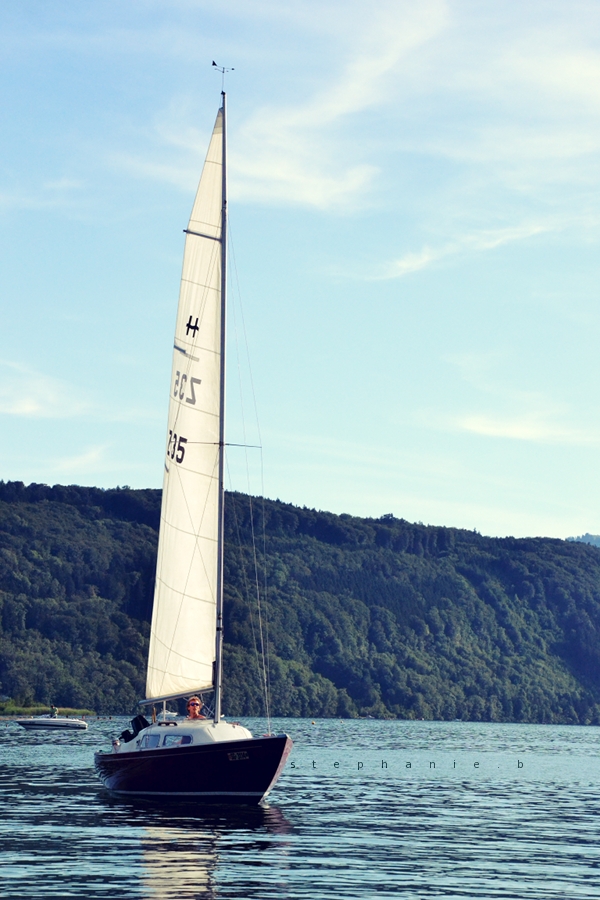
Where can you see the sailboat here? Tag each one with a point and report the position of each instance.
(206, 759)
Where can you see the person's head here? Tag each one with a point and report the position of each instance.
(194, 706)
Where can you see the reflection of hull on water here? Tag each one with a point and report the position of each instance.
(189, 840)
(52, 724)
(228, 771)
(192, 860)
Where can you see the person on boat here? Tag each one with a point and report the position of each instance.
(53, 712)
(194, 705)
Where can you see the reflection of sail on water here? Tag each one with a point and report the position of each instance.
(195, 855)
(178, 863)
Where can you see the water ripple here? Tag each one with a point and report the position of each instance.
(370, 809)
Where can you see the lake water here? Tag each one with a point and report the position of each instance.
(364, 809)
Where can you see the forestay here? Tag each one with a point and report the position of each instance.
(182, 640)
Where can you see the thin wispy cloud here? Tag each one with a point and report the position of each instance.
(91, 460)
(525, 110)
(533, 427)
(533, 415)
(296, 154)
(423, 69)
(32, 394)
(535, 420)
(63, 185)
(29, 393)
(51, 194)
(300, 153)
(183, 176)
(485, 240)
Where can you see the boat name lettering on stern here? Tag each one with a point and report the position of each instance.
(238, 754)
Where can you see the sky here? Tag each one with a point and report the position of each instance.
(414, 277)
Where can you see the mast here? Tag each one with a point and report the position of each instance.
(221, 507)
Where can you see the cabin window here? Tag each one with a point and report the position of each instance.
(149, 741)
(176, 740)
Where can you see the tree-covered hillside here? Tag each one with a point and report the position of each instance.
(365, 617)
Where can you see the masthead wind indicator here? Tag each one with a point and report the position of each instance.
(222, 70)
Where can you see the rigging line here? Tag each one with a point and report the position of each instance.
(258, 603)
(244, 332)
(244, 572)
(262, 491)
(266, 595)
(265, 666)
(226, 444)
(263, 645)
(264, 679)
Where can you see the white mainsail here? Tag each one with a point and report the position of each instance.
(182, 639)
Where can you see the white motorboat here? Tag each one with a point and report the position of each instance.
(52, 723)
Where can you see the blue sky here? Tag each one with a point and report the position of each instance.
(415, 222)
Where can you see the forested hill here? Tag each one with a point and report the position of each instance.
(365, 616)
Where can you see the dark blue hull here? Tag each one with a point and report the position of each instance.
(225, 772)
